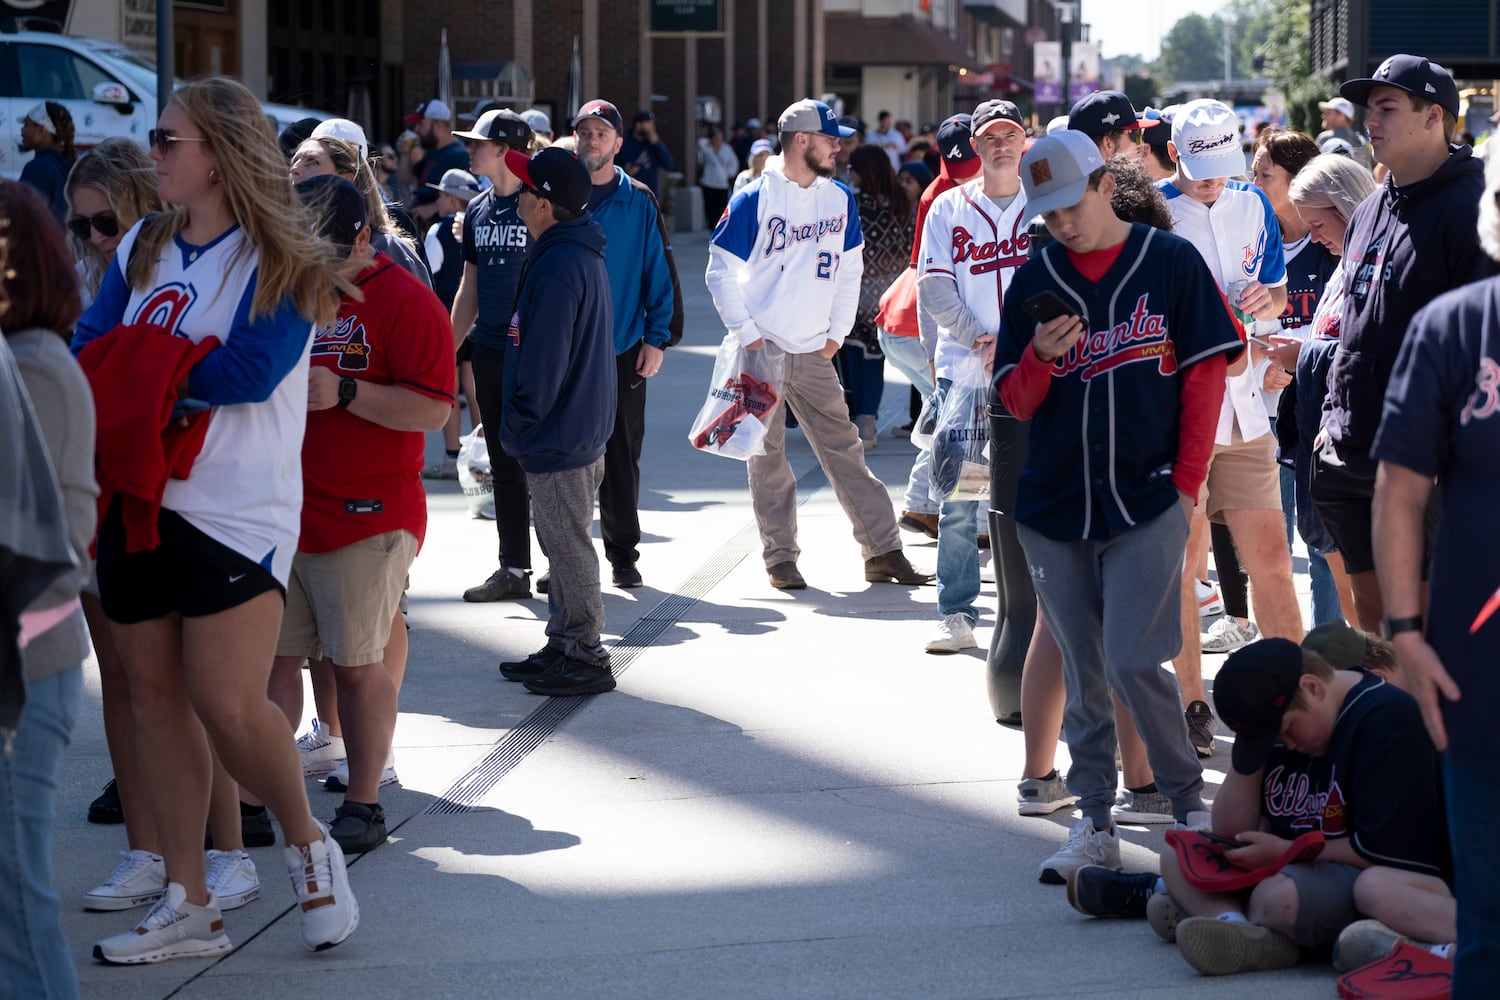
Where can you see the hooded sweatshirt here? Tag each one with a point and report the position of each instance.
(1405, 247)
(785, 262)
(560, 366)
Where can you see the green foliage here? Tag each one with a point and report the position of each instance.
(1192, 50)
(1288, 54)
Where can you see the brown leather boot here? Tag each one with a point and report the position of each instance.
(924, 524)
(892, 567)
(784, 576)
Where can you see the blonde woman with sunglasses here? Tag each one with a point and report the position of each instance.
(195, 618)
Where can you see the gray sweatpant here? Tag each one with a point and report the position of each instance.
(1116, 610)
(562, 504)
(811, 387)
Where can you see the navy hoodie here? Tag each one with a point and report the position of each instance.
(1405, 247)
(560, 365)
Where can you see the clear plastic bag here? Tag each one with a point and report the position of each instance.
(744, 392)
(474, 474)
(960, 459)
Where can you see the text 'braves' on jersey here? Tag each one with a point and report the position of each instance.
(980, 244)
(1106, 437)
(495, 242)
(785, 262)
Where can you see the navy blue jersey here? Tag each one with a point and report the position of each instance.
(1104, 440)
(495, 242)
(1442, 419)
(1378, 783)
(1308, 267)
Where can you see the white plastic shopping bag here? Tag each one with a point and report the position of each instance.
(742, 395)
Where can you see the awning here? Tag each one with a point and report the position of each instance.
(892, 41)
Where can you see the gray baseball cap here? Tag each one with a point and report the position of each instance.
(812, 116)
(1055, 170)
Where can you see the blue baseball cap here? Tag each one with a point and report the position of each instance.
(812, 116)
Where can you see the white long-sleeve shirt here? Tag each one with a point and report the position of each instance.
(785, 262)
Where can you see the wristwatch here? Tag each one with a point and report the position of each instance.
(1392, 627)
(348, 387)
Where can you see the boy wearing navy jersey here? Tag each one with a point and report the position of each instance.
(1121, 391)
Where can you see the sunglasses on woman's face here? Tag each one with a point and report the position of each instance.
(105, 224)
(162, 140)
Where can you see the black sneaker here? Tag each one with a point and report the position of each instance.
(358, 828)
(544, 581)
(255, 828)
(1200, 725)
(533, 666)
(503, 585)
(574, 677)
(1104, 892)
(627, 577)
(106, 808)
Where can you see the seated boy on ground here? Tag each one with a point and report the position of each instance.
(1342, 752)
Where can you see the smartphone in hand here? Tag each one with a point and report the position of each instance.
(1044, 307)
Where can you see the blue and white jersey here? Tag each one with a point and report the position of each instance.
(785, 262)
(1240, 241)
(245, 489)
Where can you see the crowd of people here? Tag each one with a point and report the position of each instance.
(1179, 348)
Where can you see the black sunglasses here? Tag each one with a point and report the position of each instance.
(104, 223)
(161, 140)
(532, 191)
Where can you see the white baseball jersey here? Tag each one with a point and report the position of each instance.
(971, 239)
(1240, 240)
(785, 262)
(245, 488)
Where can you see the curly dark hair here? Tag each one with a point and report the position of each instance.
(1136, 198)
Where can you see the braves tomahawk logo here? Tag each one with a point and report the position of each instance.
(167, 306)
(1143, 337)
(346, 339)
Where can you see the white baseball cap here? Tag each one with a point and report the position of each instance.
(343, 128)
(1207, 136)
(1342, 105)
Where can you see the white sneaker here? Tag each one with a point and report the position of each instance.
(139, 879)
(954, 635)
(232, 879)
(1085, 846)
(1038, 796)
(1227, 634)
(329, 910)
(320, 752)
(338, 778)
(1209, 601)
(173, 929)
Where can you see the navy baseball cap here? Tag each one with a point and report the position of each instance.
(808, 115)
(997, 112)
(1103, 112)
(555, 174)
(339, 207)
(953, 139)
(604, 112)
(1413, 74)
(1252, 692)
(1159, 130)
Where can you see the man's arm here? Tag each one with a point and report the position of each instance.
(729, 251)
(465, 304)
(938, 292)
(393, 406)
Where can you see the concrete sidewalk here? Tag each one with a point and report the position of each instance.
(785, 797)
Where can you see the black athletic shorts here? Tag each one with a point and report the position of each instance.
(189, 573)
(466, 350)
(1344, 495)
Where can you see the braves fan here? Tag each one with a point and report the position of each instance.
(380, 376)
(1113, 342)
(973, 240)
(784, 266)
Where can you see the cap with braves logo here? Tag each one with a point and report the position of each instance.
(602, 111)
(1342, 105)
(995, 114)
(1207, 136)
(499, 125)
(1413, 74)
(434, 109)
(555, 174)
(1103, 112)
(953, 137)
(1252, 692)
(808, 115)
(1055, 170)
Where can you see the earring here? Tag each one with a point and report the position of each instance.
(213, 175)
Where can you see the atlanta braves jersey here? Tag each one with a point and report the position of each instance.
(973, 240)
(1376, 784)
(785, 262)
(495, 242)
(1105, 438)
(245, 490)
(1240, 240)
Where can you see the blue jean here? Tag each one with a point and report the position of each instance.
(1325, 594)
(957, 547)
(33, 952)
(910, 359)
(864, 380)
(1473, 795)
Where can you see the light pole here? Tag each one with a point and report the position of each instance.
(1066, 12)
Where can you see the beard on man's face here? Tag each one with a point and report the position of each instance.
(428, 139)
(596, 163)
(816, 164)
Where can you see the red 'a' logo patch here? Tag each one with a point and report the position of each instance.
(1041, 172)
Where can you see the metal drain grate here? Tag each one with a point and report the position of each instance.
(465, 793)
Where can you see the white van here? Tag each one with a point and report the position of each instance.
(107, 88)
